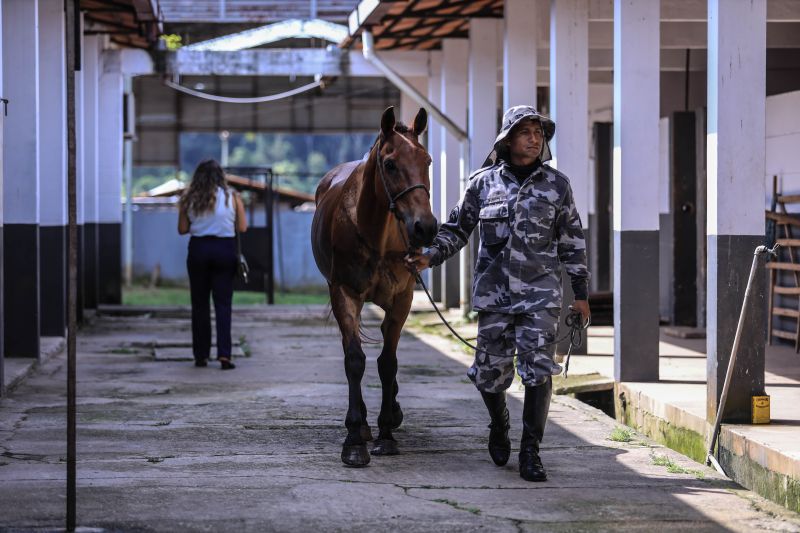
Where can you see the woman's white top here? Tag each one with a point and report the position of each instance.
(217, 222)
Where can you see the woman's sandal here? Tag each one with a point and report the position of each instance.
(226, 364)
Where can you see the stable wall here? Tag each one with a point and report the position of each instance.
(783, 140)
(156, 242)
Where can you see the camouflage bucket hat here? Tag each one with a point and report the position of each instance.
(514, 116)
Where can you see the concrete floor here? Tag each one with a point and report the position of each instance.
(165, 446)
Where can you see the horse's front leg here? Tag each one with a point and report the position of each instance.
(391, 416)
(347, 311)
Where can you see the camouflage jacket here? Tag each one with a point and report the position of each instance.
(527, 231)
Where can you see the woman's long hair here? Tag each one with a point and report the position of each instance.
(201, 196)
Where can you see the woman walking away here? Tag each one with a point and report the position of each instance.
(209, 210)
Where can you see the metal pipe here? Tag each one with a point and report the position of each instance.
(127, 169)
(710, 459)
(72, 260)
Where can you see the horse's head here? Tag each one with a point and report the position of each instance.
(403, 169)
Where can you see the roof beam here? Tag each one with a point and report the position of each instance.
(291, 61)
(287, 29)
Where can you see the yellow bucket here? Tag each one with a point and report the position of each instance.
(760, 410)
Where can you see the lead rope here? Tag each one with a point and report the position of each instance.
(573, 322)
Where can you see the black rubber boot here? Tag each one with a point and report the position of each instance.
(534, 418)
(499, 445)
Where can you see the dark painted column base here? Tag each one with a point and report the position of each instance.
(636, 305)
(451, 283)
(90, 262)
(729, 261)
(79, 288)
(2, 313)
(53, 280)
(109, 248)
(21, 297)
(436, 284)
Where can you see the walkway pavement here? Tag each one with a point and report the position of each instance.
(165, 446)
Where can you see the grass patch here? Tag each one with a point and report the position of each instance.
(179, 296)
(621, 435)
(124, 351)
(674, 468)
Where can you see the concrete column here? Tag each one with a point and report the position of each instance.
(110, 178)
(454, 104)
(482, 96)
(435, 132)
(636, 113)
(519, 53)
(89, 142)
(52, 169)
(21, 177)
(735, 173)
(482, 104)
(2, 253)
(408, 106)
(569, 108)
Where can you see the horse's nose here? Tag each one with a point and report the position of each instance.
(424, 231)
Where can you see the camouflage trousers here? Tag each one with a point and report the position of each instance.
(508, 334)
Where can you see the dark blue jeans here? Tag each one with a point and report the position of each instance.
(212, 267)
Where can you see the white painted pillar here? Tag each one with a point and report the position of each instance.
(21, 177)
(569, 108)
(482, 98)
(110, 178)
(454, 104)
(2, 248)
(519, 53)
(52, 169)
(482, 104)
(569, 96)
(408, 106)
(736, 191)
(435, 132)
(89, 142)
(636, 114)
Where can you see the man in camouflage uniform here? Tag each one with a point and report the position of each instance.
(529, 229)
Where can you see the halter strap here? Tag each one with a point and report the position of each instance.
(393, 199)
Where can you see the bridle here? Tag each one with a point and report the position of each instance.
(393, 199)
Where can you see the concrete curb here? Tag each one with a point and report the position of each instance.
(49, 348)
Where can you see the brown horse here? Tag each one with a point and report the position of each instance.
(370, 213)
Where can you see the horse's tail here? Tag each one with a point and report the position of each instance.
(366, 339)
(362, 334)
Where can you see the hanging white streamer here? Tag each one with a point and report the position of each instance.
(254, 100)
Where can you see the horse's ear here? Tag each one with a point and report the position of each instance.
(388, 122)
(420, 121)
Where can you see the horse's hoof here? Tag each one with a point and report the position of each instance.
(385, 447)
(397, 416)
(355, 455)
(366, 433)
